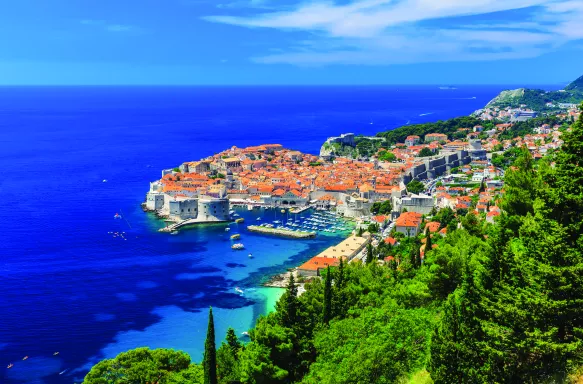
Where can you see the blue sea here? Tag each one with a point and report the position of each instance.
(68, 285)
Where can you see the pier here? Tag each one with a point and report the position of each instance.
(281, 232)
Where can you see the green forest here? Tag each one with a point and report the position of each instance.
(491, 303)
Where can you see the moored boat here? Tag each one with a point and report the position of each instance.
(236, 236)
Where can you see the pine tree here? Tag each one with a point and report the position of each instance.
(327, 297)
(209, 361)
(482, 186)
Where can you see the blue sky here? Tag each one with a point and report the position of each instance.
(290, 41)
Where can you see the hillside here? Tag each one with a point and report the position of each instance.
(537, 99)
(576, 85)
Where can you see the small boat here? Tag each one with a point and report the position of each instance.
(117, 216)
(55, 354)
(236, 236)
(250, 255)
(239, 220)
(258, 219)
(60, 373)
(25, 358)
(237, 247)
(10, 366)
(245, 333)
(239, 290)
(227, 229)
(105, 180)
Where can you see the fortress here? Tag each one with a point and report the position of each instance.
(196, 209)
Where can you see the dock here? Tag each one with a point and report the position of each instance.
(281, 232)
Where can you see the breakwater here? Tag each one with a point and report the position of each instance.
(281, 232)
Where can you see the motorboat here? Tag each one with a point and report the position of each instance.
(227, 229)
(250, 255)
(239, 220)
(25, 358)
(239, 290)
(10, 366)
(117, 216)
(236, 236)
(237, 247)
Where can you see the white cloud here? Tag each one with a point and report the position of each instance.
(407, 31)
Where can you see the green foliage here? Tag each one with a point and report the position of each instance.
(382, 345)
(444, 216)
(209, 361)
(315, 164)
(176, 169)
(415, 186)
(382, 207)
(426, 152)
(448, 127)
(387, 156)
(144, 365)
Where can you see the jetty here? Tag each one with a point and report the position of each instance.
(281, 232)
(300, 210)
(183, 223)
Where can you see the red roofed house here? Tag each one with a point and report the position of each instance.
(408, 223)
(432, 226)
(412, 140)
(313, 266)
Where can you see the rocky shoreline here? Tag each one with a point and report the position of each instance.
(281, 280)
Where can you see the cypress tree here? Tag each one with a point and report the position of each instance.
(340, 278)
(209, 360)
(288, 305)
(428, 242)
(369, 254)
(233, 342)
(328, 297)
(339, 297)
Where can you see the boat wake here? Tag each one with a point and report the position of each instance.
(425, 114)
